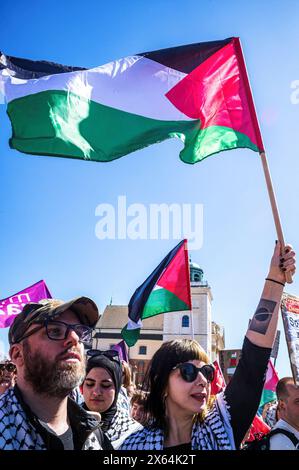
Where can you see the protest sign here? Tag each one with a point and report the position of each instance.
(290, 316)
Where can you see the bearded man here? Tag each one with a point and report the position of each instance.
(47, 346)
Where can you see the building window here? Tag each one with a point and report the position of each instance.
(196, 278)
(185, 321)
(142, 350)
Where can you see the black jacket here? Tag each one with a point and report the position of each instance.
(87, 434)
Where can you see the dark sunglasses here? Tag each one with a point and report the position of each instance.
(10, 367)
(110, 354)
(189, 371)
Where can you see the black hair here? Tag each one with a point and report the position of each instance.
(164, 360)
(281, 387)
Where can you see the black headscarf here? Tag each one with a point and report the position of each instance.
(114, 369)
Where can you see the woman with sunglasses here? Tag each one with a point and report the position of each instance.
(8, 376)
(101, 389)
(183, 415)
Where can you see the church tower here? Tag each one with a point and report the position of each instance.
(198, 324)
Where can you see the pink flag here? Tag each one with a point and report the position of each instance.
(218, 383)
(11, 306)
(269, 390)
(121, 348)
(271, 378)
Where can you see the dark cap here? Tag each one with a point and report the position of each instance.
(37, 313)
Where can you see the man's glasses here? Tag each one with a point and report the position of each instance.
(10, 367)
(110, 354)
(189, 371)
(58, 330)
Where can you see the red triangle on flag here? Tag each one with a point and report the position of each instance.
(176, 278)
(217, 92)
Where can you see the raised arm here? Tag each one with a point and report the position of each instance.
(262, 328)
(243, 393)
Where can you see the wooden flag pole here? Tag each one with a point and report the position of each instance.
(274, 207)
(192, 324)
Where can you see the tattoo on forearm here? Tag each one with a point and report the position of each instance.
(262, 316)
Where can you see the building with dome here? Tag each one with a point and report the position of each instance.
(197, 324)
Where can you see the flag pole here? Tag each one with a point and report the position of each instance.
(189, 276)
(274, 207)
(271, 193)
(192, 324)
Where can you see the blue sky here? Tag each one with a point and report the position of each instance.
(48, 204)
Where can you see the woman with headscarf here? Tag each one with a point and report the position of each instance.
(101, 388)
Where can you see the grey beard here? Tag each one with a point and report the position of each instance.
(54, 379)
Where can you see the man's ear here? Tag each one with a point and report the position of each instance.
(281, 405)
(16, 353)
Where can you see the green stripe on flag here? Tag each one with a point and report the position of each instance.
(130, 336)
(64, 124)
(214, 139)
(267, 396)
(162, 301)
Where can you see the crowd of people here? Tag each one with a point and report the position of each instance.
(58, 394)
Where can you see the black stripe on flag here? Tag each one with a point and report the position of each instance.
(27, 69)
(186, 58)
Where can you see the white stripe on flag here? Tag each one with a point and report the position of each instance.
(134, 84)
(134, 326)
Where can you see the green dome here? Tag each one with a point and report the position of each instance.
(196, 273)
(194, 265)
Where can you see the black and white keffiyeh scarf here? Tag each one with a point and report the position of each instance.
(121, 426)
(17, 431)
(214, 433)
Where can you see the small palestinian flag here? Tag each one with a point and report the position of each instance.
(198, 93)
(167, 289)
(218, 384)
(269, 390)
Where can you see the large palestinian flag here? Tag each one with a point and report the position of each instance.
(198, 93)
(167, 289)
